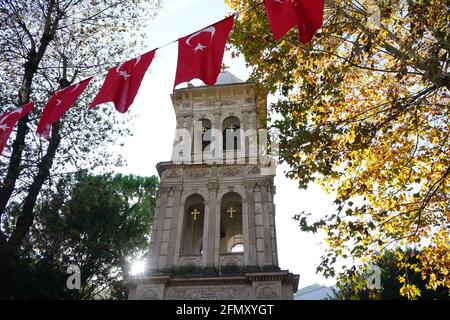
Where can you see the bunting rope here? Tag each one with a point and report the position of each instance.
(200, 56)
(236, 14)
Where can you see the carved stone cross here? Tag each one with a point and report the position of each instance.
(195, 213)
(231, 211)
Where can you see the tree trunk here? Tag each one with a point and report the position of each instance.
(10, 250)
(34, 58)
(26, 217)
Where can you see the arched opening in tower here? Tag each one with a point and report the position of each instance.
(194, 212)
(231, 134)
(231, 232)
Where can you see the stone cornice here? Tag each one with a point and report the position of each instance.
(162, 166)
(248, 278)
(216, 88)
(208, 281)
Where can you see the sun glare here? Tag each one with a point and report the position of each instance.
(137, 267)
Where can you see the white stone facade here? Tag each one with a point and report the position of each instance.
(207, 209)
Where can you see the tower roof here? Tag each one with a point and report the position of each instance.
(226, 77)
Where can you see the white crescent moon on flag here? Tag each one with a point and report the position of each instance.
(18, 110)
(211, 30)
(76, 87)
(137, 61)
(118, 67)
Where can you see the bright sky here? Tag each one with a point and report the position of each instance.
(153, 127)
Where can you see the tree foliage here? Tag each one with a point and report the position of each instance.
(364, 111)
(46, 45)
(98, 223)
(354, 286)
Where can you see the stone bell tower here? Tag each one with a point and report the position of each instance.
(214, 231)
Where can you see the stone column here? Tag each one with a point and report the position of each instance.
(217, 231)
(252, 259)
(259, 225)
(163, 194)
(217, 125)
(154, 229)
(190, 127)
(209, 229)
(273, 233)
(178, 233)
(266, 212)
(172, 236)
(245, 230)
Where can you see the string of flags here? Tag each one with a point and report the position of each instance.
(200, 56)
(57, 106)
(9, 120)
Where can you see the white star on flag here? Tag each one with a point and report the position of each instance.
(124, 74)
(3, 127)
(199, 47)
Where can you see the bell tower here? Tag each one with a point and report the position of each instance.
(214, 232)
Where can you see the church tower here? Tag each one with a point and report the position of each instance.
(214, 231)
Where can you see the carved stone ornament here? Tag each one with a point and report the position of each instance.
(249, 186)
(163, 191)
(209, 293)
(267, 292)
(197, 173)
(231, 262)
(224, 102)
(177, 189)
(189, 262)
(254, 170)
(230, 102)
(212, 186)
(230, 171)
(265, 185)
(149, 293)
(174, 173)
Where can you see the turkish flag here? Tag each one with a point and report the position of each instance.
(283, 15)
(200, 54)
(9, 120)
(57, 106)
(123, 81)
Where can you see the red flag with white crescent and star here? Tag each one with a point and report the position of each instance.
(283, 15)
(200, 54)
(9, 119)
(57, 106)
(123, 81)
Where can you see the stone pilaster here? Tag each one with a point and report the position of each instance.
(252, 259)
(156, 260)
(175, 211)
(209, 234)
(266, 212)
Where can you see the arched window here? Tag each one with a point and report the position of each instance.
(238, 248)
(231, 134)
(194, 212)
(206, 133)
(231, 234)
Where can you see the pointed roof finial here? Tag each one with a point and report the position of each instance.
(224, 67)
